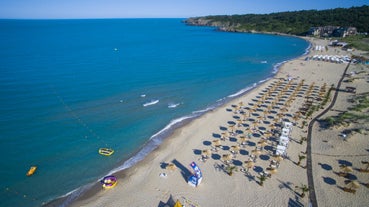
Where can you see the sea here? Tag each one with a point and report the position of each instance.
(70, 87)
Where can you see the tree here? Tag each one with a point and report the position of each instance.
(229, 169)
(301, 157)
(262, 178)
(296, 22)
(303, 188)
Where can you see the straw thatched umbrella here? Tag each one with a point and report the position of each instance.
(346, 169)
(366, 163)
(235, 149)
(243, 140)
(256, 151)
(255, 124)
(295, 118)
(276, 120)
(249, 164)
(262, 143)
(216, 144)
(353, 184)
(259, 119)
(284, 109)
(239, 122)
(278, 158)
(244, 116)
(226, 158)
(280, 115)
(252, 110)
(268, 134)
(171, 167)
(231, 127)
(236, 109)
(224, 135)
(272, 170)
(205, 153)
(265, 113)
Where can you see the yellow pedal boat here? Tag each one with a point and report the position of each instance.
(31, 171)
(106, 151)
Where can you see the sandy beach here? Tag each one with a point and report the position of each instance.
(248, 129)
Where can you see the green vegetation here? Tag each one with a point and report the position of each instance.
(295, 22)
(357, 114)
(301, 157)
(304, 189)
(229, 169)
(346, 118)
(360, 42)
(361, 103)
(262, 179)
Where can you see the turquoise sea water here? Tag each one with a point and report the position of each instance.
(69, 87)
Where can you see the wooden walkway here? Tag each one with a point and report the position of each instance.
(312, 195)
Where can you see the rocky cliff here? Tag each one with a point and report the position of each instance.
(220, 25)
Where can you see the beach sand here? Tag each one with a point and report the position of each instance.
(142, 184)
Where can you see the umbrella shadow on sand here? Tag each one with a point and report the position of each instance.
(215, 135)
(325, 166)
(329, 181)
(344, 162)
(206, 143)
(170, 202)
(184, 171)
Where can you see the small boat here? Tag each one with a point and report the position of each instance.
(109, 182)
(31, 171)
(106, 151)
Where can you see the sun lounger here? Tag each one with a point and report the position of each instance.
(281, 150)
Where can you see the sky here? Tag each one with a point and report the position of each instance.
(76, 9)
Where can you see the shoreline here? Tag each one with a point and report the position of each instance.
(163, 153)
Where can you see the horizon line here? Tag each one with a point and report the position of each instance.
(94, 18)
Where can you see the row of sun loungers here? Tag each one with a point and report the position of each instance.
(284, 139)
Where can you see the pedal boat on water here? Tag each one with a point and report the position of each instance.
(31, 171)
(106, 151)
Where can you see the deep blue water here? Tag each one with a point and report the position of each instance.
(69, 87)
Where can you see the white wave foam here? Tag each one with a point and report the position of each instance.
(277, 66)
(173, 105)
(172, 123)
(151, 103)
(242, 91)
(199, 112)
